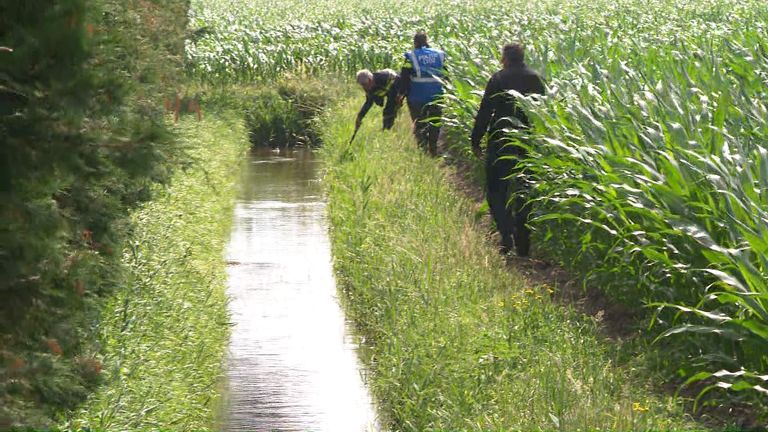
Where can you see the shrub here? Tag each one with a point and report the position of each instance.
(83, 139)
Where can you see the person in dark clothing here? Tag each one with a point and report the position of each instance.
(420, 75)
(381, 88)
(498, 114)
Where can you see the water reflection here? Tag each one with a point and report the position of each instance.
(292, 365)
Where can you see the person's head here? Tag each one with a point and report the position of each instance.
(365, 79)
(420, 40)
(512, 53)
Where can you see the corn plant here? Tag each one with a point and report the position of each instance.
(648, 163)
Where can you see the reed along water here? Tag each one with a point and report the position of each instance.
(292, 363)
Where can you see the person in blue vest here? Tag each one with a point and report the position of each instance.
(421, 77)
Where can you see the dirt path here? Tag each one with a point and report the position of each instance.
(616, 322)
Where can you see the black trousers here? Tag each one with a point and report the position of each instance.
(426, 133)
(390, 107)
(506, 198)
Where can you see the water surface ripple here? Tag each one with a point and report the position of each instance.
(292, 364)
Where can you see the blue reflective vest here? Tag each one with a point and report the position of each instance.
(427, 65)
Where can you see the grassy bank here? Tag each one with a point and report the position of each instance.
(164, 334)
(455, 341)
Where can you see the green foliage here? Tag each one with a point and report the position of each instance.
(250, 41)
(668, 191)
(285, 113)
(164, 335)
(649, 158)
(277, 114)
(453, 340)
(649, 153)
(83, 139)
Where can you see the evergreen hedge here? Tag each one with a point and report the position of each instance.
(82, 139)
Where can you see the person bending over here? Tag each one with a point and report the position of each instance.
(381, 88)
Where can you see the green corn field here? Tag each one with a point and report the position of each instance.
(648, 159)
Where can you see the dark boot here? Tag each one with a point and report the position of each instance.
(520, 228)
(506, 244)
(497, 191)
(523, 243)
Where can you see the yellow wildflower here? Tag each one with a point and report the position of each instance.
(639, 407)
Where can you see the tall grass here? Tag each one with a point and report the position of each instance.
(454, 341)
(648, 155)
(164, 334)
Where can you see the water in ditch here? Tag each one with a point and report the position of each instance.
(292, 362)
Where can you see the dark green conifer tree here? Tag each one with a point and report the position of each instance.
(82, 139)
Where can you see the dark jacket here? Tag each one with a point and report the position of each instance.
(385, 85)
(498, 107)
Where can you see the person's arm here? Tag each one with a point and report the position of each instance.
(484, 113)
(538, 86)
(405, 77)
(444, 72)
(364, 109)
